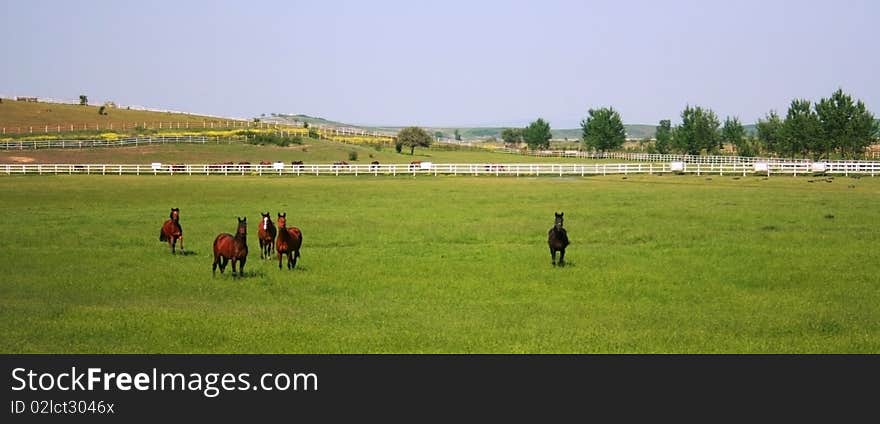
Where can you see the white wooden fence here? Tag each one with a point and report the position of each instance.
(654, 157)
(511, 169)
(119, 142)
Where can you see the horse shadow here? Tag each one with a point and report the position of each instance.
(187, 253)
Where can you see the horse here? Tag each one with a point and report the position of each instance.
(172, 231)
(288, 242)
(557, 238)
(266, 235)
(228, 247)
(374, 165)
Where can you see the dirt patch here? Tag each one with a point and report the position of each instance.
(21, 159)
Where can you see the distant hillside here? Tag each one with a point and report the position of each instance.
(22, 115)
(633, 131)
(299, 118)
(474, 133)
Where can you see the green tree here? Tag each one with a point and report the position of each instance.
(438, 134)
(770, 132)
(512, 136)
(413, 137)
(83, 100)
(801, 132)
(663, 137)
(848, 127)
(603, 129)
(733, 133)
(698, 131)
(457, 135)
(537, 135)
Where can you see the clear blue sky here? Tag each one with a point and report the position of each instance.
(447, 63)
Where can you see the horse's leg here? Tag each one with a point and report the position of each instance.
(295, 257)
(562, 257)
(214, 266)
(261, 248)
(181, 243)
(233, 266)
(241, 266)
(553, 256)
(223, 262)
(279, 258)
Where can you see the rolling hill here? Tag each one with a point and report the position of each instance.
(23, 115)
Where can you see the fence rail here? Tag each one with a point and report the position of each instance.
(512, 169)
(119, 142)
(216, 124)
(655, 157)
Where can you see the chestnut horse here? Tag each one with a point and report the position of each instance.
(557, 238)
(228, 247)
(171, 230)
(288, 242)
(266, 235)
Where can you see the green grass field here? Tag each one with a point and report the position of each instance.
(662, 264)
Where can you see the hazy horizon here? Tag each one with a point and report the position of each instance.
(449, 64)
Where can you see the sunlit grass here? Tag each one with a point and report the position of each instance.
(444, 264)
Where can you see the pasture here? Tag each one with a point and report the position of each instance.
(657, 264)
(312, 151)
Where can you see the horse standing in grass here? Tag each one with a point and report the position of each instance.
(288, 242)
(228, 247)
(172, 231)
(266, 235)
(557, 238)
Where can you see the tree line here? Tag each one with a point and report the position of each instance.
(835, 125)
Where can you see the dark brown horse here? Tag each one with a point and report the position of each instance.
(228, 247)
(557, 238)
(171, 230)
(288, 242)
(266, 235)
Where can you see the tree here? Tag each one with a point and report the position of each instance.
(603, 130)
(537, 135)
(848, 127)
(801, 132)
(770, 132)
(733, 133)
(83, 100)
(663, 135)
(438, 134)
(413, 137)
(512, 136)
(457, 135)
(102, 110)
(698, 131)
